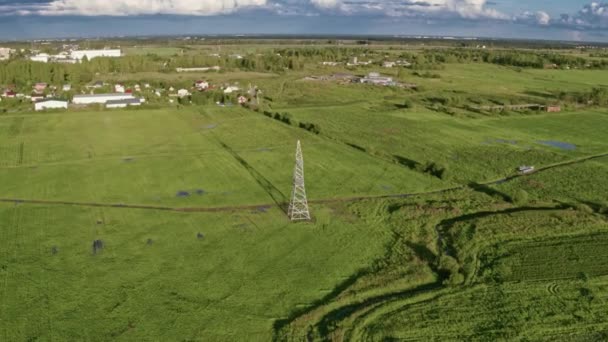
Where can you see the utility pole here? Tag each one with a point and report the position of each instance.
(298, 206)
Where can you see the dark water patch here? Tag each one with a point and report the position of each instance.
(558, 144)
(97, 246)
(182, 194)
(200, 192)
(200, 236)
(149, 242)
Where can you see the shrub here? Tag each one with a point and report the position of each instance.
(521, 197)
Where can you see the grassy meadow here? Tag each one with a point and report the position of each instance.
(168, 223)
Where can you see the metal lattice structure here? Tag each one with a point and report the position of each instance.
(298, 206)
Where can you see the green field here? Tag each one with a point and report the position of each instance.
(422, 228)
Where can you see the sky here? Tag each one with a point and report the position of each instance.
(575, 20)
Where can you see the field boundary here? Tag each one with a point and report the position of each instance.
(281, 205)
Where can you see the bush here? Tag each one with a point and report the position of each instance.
(521, 197)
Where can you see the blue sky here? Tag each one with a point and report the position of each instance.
(585, 20)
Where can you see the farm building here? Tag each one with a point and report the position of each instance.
(90, 54)
(123, 103)
(100, 98)
(67, 87)
(554, 109)
(242, 100)
(119, 88)
(50, 104)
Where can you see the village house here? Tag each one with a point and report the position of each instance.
(9, 94)
(67, 87)
(554, 109)
(242, 100)
(40, 87)
(388, 64)
(183, 93)
(201, 85)
(50, 104)
(119, 88)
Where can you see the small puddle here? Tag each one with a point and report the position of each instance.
(558, 144)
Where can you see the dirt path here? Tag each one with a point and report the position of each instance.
(282, 205)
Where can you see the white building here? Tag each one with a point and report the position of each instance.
(215, 68)
(41, 57)
(50, 104)
(183, 93)
(90, 54)
(67, 87)
(5, 53)
(231, 89)
(123, 103)
(99, 98)
(376, 78)
(119, 88)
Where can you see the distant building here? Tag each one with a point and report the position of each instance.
(123, 103)
(90, 54)
(230, 89)
(50, 104)
(119, 88)
(96, 85)
(9, 94)
(37, 97)
(376, 78)
(554, 109)
(183, 93)
(67, 87)
(99, 98)
(331, 63)
(215, 68)
(5, 53)
(242, 100)
(201, 85)
(388, 64)
(41, 57)
(39, 87)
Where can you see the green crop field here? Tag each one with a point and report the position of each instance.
(168, 221)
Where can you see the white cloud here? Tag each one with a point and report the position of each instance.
(592, 16)
(143, 7)
(543, 18)
(325, 3)
(468, 9)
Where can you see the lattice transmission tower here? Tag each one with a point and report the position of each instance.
(298, 206)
